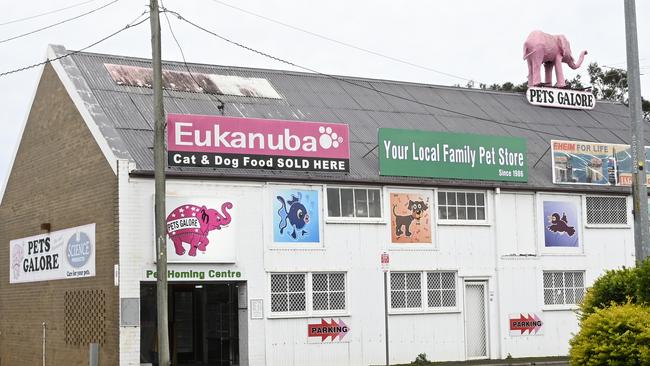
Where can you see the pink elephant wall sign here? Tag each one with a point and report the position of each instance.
(198, 230)
(551, 51)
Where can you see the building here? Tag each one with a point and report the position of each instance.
(480, 265)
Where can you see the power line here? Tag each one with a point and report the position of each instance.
(357, 84)
(46, 13)
(58, 23)
(375, 53)
(220, 107)
(130, 25)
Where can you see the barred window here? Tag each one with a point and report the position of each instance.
(441, 289)
(288, 292)
(564, 287)
(328, 291)
(465, 206)
(405, 290)
(354, 202)
(606, 210)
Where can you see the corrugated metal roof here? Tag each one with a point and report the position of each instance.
(363, 104)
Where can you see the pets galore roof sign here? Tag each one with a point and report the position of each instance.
(560, 98)
(409, 153)
(253, 143)
(58, 255)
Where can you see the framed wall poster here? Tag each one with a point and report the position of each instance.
(201, 229)
(296, 213)
(411, 217)
(561, 224)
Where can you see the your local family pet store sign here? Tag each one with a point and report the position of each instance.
(62, 254)
(253, 143)
(411, 153)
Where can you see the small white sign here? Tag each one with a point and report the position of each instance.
(385, 262)
(560, 98)
(58, 255)
(257, 309)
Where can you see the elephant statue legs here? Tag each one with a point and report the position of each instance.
(551, 51)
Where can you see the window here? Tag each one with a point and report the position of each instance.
(407, 292)
(564, 287)
(606, 210)
(328, 291)
(441, 289)
(354, 202)
(288, 292)
(463, 206)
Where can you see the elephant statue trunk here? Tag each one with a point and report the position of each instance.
(574, 65)
(551, 51)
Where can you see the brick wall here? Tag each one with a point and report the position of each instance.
(61, 177)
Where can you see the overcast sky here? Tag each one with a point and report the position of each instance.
(477, 40)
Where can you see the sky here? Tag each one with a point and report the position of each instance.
(460, 39)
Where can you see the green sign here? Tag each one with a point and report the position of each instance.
(408, 153)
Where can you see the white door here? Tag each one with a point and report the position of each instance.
(476, 332)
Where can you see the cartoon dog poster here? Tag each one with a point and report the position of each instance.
(410, 218)
(561, 224)
(296, 216)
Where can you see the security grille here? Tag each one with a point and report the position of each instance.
(466, 206)
(606, 210)
(564, 288)
(441, 289)
(328, 291)
(475, 320)
(85, 317)
(288, 292)
(406, 290)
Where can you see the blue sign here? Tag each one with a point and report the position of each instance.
(79, 249)
(296, 216)
(561, 225)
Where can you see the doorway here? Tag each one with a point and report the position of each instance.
(476, 320)
(203, 324)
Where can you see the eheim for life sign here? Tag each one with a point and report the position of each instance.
(409, 153)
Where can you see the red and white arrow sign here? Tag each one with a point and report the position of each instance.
(325, 329)
(525, 323)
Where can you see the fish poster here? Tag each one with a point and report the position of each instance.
(561, 224)
(410, 218)
(296, 216)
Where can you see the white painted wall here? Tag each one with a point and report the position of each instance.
(506, 250)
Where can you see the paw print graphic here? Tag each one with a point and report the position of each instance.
(328, 138)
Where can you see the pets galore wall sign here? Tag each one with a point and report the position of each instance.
(296, 215)
(561, 224)
(200, 229)
(254, 143)
(410, 217)
(61, 254)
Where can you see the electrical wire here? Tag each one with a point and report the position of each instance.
(221, 105)
(375, 53)
(57, 23)
(130, 25)
(46, 13)
(361, 85)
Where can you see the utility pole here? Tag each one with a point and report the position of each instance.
(159, 175)
(639, 189)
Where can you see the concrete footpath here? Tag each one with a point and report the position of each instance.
(529, 361)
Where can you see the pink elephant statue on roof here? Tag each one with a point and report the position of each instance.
(550, 50)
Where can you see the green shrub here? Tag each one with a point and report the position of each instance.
(617, 335)
(421, 360)
(643, 282)
(616, 286)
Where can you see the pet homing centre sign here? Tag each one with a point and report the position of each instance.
(409, 153)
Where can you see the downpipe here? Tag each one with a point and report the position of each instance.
(44, 336)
